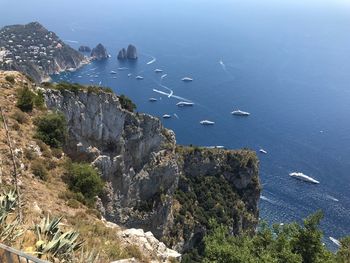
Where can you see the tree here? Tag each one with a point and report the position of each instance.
(25, 99)
(52, 129)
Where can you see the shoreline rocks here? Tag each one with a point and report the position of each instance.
(84, 49)
(129, 53)
(99, 52)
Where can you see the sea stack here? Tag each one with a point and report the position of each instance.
(99, 52)
(84, 49)
(131, 52)
(122, 54)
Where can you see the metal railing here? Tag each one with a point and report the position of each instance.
(11, 255)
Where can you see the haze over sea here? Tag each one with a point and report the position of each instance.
(285, 62)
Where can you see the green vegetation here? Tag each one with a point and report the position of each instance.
(53, 244)
(10, 79)
(9, 224)
(26, 99)
(126, 103)
(52, 129)
(85, 181)
(290, 243)
(76, 87)
(39, 169)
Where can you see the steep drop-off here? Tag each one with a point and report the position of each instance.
(151, 182)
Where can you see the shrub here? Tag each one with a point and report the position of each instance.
(84, 179)
(20, 117)
(10, 79)
(126, 103)
(73, 203)
(39, 170)
(30, 154)
(52, 129)
(39, 100)
(25, 99)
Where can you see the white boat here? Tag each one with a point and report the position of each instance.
(123, 68)
(79, 76)
(166, 116)
(187, 79)
(240, 113)
(157, 70)
(335, 241)
(129, 75)
(263, 151)
(138, 77)
(152, 99)
(304, 177)
(113, 72)
(206, 122)
(216, 147)
(184, 103)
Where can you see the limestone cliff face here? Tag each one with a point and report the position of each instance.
(152, 183)
(134, 152)
(99, 52)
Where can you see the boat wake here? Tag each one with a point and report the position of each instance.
(224, 68)
(332, 198)
(72, 41)
(171, 95)
(151, 61)
(264, 198)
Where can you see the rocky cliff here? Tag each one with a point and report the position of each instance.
(131, 52)
(122, 54)
(35, 51)
(99, 52)
(152, 183)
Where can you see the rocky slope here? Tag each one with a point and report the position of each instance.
(51, 196)
(35, 51)
(150, 179)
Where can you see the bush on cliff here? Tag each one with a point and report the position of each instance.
(290, 243)
(52, 129)
(25, 100)
(83, 179)
(126, 103)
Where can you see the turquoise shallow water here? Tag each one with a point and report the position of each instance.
(286, 63)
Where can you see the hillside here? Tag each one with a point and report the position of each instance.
(35, 51)
(149, 182)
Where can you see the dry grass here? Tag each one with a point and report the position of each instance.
(40, 197)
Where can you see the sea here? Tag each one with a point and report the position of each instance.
(286, 62)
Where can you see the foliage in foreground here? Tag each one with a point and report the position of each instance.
(52, 129)
(27, 99)
(290, 243)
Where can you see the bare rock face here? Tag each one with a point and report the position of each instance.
(122, 54)
(84, 49)
(134, 152)
(131, 52)
(99, 52)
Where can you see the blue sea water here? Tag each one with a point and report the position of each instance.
(286, 62)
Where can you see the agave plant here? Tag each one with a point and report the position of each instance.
(9, 226)
(87, 257)
(53, 243)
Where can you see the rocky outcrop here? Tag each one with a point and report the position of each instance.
(35, 51)
(150, 182)
(122, 54)
(84, 49)
(131, 52)
(99, 52)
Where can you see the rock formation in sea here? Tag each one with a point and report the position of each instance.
(99, 52)
(84, 49)
(37, 52)
(122, 54)
(131, 52)
(152, 183)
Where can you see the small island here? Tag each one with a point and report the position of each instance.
(129, 53)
